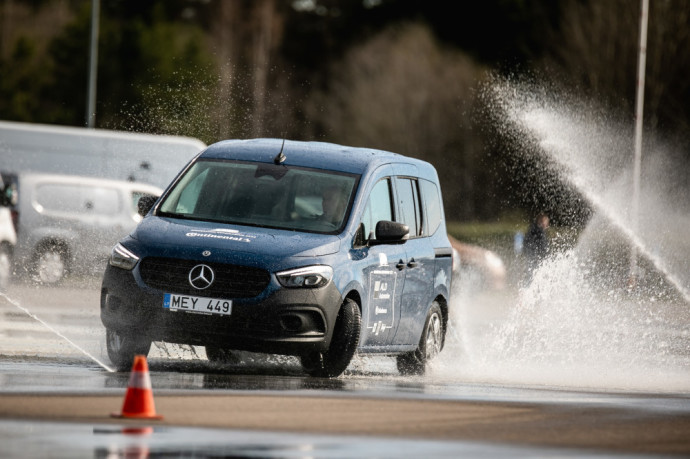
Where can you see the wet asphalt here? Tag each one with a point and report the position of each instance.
(56, 398)
(65, 440)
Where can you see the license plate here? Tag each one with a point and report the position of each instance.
(197, 304)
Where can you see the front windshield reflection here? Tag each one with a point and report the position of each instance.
(258, 194)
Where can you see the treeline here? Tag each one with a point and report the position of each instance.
(400, 75)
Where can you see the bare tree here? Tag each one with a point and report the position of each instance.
(595, 49)
(402, 91)
(226, 47)
(246, 36)
(40, 22)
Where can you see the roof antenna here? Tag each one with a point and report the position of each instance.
(280, 157)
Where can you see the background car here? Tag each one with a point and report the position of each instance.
(486, 267)
(69, 223)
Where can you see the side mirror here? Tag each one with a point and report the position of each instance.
(145, 204)
(390, 233)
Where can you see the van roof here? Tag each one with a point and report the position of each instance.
(319, 155)
(19, 133)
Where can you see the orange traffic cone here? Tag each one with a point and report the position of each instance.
(139, 397)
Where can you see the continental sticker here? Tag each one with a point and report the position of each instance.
(220, 233)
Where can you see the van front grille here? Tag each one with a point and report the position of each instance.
(231, 281)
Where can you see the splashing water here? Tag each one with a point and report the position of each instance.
(594, 154)
(49, 327)
(577, 324)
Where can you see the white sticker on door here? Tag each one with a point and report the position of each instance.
(381, 307)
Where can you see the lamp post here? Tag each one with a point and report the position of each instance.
(93, 65)
(639, 111)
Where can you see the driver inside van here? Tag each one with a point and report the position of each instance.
(333, 205)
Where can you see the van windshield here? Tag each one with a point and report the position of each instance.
(259, 194)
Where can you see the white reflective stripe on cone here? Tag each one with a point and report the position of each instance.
(139, 380)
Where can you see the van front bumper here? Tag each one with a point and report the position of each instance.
(280, 321)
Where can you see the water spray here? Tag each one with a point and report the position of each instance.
(49, 327)
(578, 324)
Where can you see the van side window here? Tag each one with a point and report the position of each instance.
(60, 198)
(378, 207)
(409, 203)
(101, 200)
(432, 202)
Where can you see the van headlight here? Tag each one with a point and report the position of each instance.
(120, 257)
(309, 276)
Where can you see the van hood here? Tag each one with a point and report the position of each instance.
(160, 231)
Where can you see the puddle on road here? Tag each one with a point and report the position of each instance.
(552, 334)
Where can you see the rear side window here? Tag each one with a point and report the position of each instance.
(410, 205)
(432, 202)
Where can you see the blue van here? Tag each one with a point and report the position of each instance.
(298, 248)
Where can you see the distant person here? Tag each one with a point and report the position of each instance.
(536, 243)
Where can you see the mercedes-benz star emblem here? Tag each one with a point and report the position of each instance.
(201, 277)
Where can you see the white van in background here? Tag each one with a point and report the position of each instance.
(69, 224)
(103, 153)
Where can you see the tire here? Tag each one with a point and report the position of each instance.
(122, 348)
(335, 361)
(430, 344)
(217, 354)
(5, 267)
(51, 264)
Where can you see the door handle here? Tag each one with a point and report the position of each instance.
(400, 265)
(412, 264)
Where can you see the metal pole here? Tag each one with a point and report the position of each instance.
(639, 112)
(93, 65)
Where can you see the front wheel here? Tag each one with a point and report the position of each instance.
(51, 264)
(122, 348)
(430, 344)
(344, 343)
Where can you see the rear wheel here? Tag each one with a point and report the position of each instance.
(343, 345)
(122, 348)
(51, 264)
(430, 344)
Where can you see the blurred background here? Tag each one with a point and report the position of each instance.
(399, 75)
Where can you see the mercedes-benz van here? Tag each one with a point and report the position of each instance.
(299, 248)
